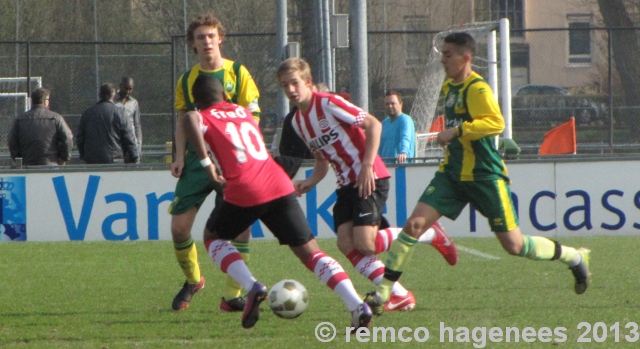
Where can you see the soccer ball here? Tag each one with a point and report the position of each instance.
(288, 299)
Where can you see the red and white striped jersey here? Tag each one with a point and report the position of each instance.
(253, 177)
(332, 126)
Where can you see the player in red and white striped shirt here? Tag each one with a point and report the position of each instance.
(239, 150)
(345, 137)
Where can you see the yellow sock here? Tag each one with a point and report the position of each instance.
(232, 288)
(187, 256)
(398, 256)
(569, 256)
(538, 248)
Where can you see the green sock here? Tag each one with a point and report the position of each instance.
(397, 259)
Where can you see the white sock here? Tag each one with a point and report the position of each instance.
(331, 273)
(229, 260)
(369, 266)
(427, 237)
(399, 290)
(385, 237)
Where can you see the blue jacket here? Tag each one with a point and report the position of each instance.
(398, 136)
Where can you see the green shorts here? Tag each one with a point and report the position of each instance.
(193, 186)
(492, 198)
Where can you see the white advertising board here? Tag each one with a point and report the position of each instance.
(552, 199)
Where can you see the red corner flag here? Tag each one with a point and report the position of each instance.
(437, 125)
(560, 140)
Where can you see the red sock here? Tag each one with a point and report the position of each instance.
(331, 273)
(369, 266)
(384, 238)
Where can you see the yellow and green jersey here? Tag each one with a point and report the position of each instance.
(472, 109)
(236, 80)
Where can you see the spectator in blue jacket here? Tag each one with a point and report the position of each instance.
(398, 141)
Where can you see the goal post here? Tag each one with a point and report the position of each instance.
(20, 83)
(22, 98)
(12, 104)
(427, 101)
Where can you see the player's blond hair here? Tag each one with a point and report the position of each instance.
(295, 64)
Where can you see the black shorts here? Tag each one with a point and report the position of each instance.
(351, 207)
(283, 216)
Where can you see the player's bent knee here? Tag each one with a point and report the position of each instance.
(345, 245)
(305, 251)
(512, 248)
(365, 249)
(345, 249)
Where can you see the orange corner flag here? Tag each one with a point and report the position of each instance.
(560, 140)
(437, 125)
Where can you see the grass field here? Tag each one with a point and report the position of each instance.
(118, 295)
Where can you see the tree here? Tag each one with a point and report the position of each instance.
(625, 46)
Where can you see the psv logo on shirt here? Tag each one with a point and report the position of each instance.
(327, 136)
(323, 123)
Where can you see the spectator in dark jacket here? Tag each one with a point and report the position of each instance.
(40, 136)
(105, 135)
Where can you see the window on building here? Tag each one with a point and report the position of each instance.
(416, 47)
(494, 10)
(579, 38)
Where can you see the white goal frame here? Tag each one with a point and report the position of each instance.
(27, 100)
(426, 146)
(25, 79)
(15, 91)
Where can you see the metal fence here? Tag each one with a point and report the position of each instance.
(73, 71)
(553, 79)
(597, 95)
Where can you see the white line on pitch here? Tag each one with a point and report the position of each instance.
(477, 253)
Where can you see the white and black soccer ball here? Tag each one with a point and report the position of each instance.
(288, 299)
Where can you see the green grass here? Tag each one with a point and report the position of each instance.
(118, 295)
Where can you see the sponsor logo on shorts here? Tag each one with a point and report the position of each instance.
(174, 203)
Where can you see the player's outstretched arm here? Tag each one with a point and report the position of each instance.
(320, 169)
(181, 146)
(366, 181)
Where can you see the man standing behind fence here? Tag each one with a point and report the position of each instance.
(398, 140)
(105, 135)
(131, 109)
(40, 136)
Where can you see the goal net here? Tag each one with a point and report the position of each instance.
(14, 100)
(427, 104)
